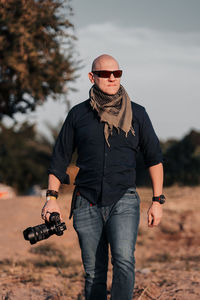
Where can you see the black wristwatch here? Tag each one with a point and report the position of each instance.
(160, 199)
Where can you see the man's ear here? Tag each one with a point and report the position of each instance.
(91, 77)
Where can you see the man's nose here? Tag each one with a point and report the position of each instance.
(112, 77)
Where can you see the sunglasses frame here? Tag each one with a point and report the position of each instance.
(107, 73)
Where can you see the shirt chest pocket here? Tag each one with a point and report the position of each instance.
(131, 141)
(89, 132)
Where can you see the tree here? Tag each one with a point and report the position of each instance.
(24, 157)
(33, 63)
(182, 161)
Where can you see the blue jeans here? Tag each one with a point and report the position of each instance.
(97, 227)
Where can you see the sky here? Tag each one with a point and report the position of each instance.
(157, 44)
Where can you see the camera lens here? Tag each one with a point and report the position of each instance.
(29, 235)
(44, 231)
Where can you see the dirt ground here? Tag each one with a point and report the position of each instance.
(167, 257)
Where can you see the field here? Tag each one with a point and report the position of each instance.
(167, 257)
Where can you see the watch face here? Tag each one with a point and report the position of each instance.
(162, 201)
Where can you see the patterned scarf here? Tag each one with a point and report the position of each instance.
(114, 110)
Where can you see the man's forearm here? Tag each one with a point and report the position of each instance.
(156, 175)
(51, 203)
(54, 183)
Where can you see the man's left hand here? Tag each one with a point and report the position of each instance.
(154, 214)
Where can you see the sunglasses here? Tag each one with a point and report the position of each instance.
(107, 74)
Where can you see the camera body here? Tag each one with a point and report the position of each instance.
(44, 231)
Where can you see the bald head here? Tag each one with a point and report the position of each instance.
(103, 62)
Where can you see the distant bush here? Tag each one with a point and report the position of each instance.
(181, 162)
(24, 157)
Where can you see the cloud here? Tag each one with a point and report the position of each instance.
(140, 43)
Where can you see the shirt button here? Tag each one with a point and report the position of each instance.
(106, 154)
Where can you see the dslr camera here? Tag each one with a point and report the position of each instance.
(44, 231)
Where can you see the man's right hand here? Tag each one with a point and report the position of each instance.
(49, 207)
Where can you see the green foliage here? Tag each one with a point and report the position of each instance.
(182, 161)
(24, 158)
(32, 64)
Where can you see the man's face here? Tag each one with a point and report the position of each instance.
(109, 85)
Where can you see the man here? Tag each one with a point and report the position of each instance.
(108, 130)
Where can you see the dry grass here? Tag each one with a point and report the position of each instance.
(167, 257)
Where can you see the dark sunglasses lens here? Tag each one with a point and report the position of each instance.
(117, 73)
(107, 74)
(104, 74)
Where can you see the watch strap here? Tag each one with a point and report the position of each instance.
(52, 193)
(161, 199)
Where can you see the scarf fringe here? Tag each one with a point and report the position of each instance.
(113, 110)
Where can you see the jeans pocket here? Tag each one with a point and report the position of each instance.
(131, 197)
(131, 191)
(78, 202)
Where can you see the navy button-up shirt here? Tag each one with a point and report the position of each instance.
(105, 172)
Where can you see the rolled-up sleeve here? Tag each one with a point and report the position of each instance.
(62, 152)
(149, 143)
